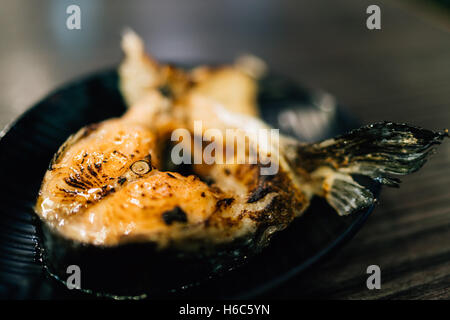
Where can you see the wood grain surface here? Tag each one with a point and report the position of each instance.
(399, 73)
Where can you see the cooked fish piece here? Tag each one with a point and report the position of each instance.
(230, 85)
(91, 194)
(105, 186)
(108, 185)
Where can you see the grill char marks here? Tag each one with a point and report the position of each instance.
(260, 192)
(86, 179)
(263, 187)
(77, 183)
(90, 129)
(87, 174)
(224, 203)
(81, 134)
(174, 215)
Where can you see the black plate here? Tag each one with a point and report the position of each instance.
(27, 147)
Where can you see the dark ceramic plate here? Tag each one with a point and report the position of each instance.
(27, 147)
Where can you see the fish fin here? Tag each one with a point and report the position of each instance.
(378, 151)
(139, 73)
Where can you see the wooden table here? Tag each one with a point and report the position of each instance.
(399, 73)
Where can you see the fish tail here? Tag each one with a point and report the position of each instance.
(378, 151)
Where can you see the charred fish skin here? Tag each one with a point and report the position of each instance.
(140, 270)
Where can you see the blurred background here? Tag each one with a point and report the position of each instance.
(323, 44)
(399, 73)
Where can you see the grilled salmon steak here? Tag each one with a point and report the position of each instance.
(110, 183)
